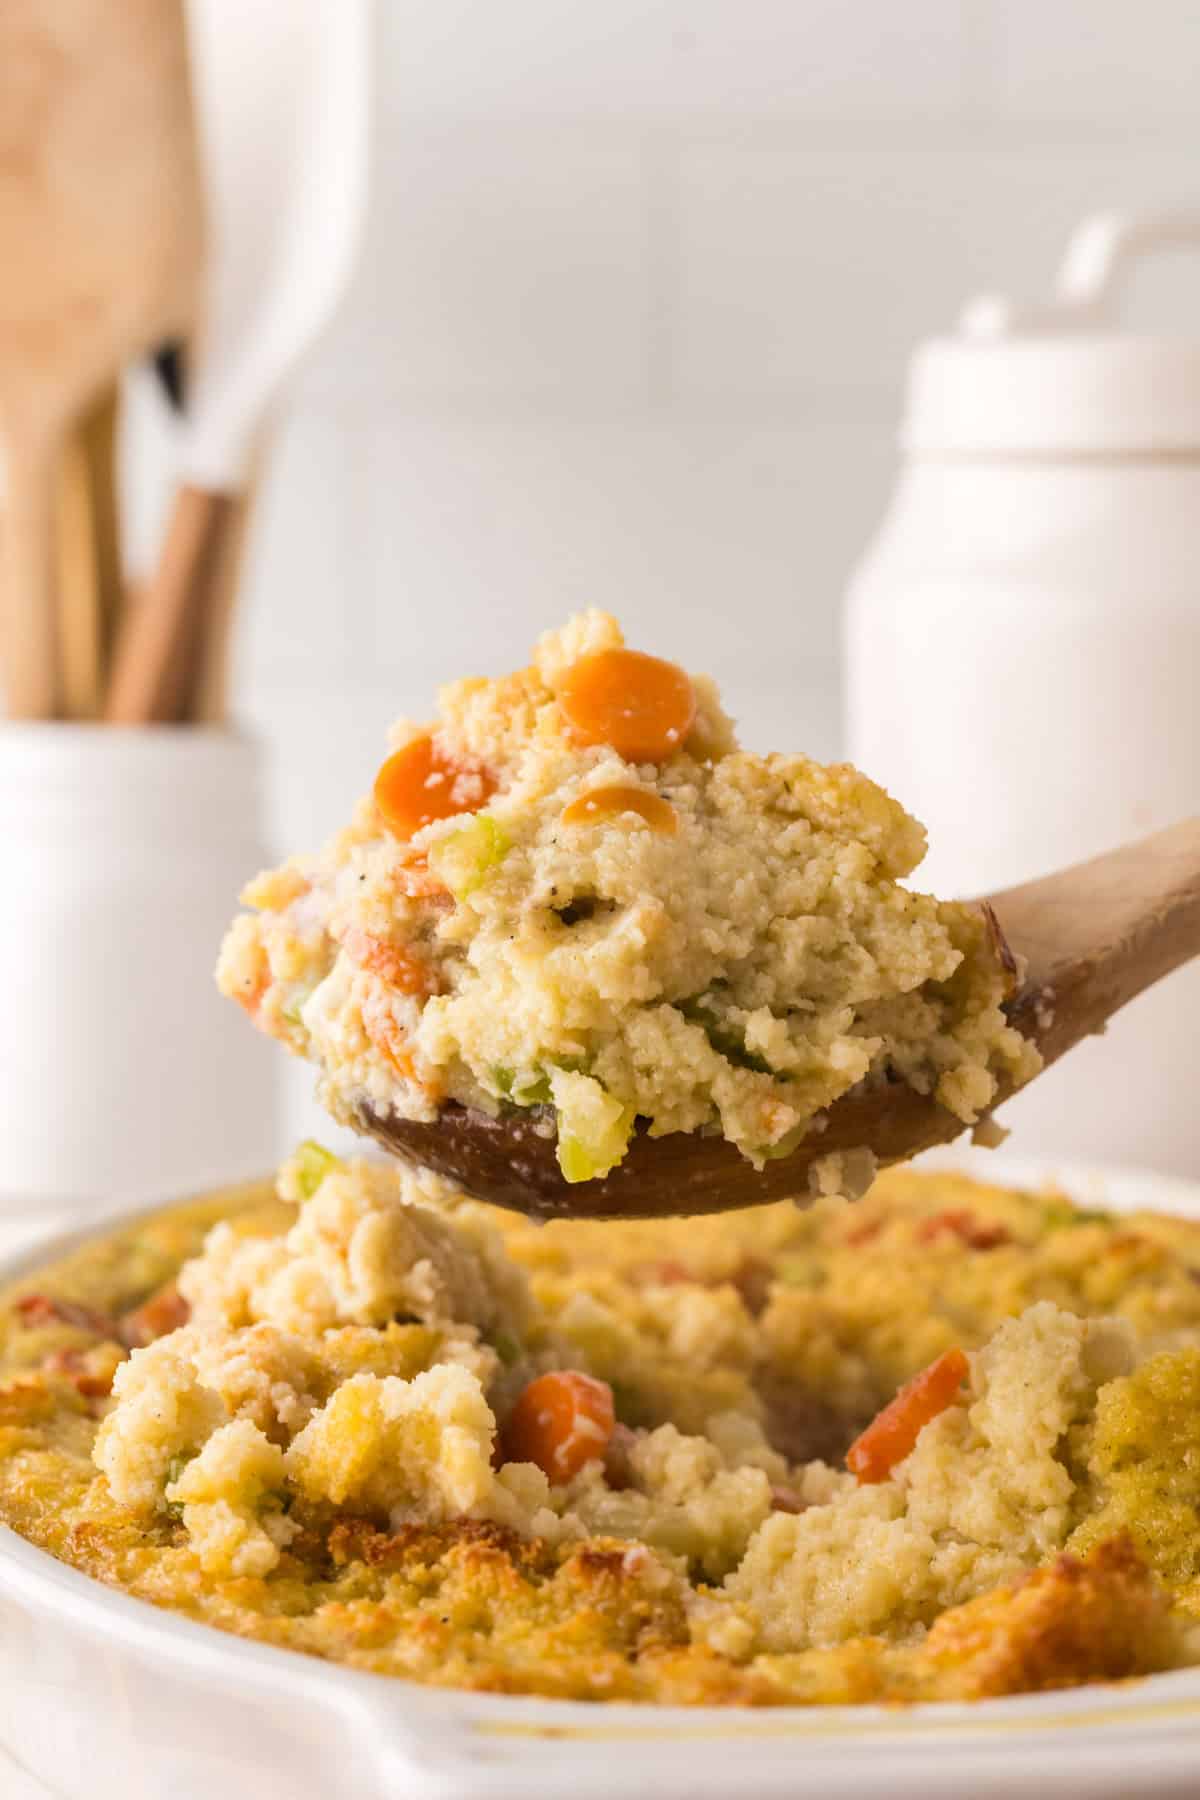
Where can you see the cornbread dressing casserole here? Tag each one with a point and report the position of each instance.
(576, 897)
(941, 1444)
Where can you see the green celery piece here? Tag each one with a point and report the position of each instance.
(464, 858)
(506, 1347)
(724, 1040)
(291, 1012)
(314, 1163)
(588, 1145)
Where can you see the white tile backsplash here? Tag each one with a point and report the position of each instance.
(630, 328)
(499, 269)
(1110, 64)
(728, 541)
(673, 59)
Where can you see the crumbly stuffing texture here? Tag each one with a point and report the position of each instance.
(738, 972)
(313, 1449)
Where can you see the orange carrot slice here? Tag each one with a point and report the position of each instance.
(642, 706)
(166, 1310)
(560, 1422)
(421, 783)
(893, 1432)
(603, 803)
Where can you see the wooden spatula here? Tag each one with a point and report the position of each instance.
(283, 97)
(100, 247)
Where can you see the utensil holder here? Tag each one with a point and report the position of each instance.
(124, 1076)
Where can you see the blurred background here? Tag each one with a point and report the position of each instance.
(630, 329)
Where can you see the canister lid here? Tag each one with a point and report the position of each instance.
(1063, 379)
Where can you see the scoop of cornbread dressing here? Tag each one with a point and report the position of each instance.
(574, 895)
(940, 1444)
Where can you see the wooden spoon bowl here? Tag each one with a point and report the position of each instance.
(1081, 943)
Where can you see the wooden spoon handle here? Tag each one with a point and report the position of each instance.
(157, 650)
(28, 634)
(1097, 935)
(210, 697)
(100, 448)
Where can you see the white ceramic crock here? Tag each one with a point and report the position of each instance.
(1023, 641)
(106, 1698)
(123, 1074)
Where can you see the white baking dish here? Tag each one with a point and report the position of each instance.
(103, 1697)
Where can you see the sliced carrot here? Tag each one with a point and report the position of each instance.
(74, 1365)
(560, 1422)
(165, 1311)
(421, 782)
(893, 1432)
(34, 1310)
(642, 706)
(975, 1233)
(603, 803)
(393, 963)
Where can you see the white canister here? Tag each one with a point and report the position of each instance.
(124, 1076)
(1023, 643)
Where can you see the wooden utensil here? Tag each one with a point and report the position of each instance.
(100, 245)
(1086, 941)
(283, 98)
(89, 557)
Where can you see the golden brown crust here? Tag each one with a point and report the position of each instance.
(1100, 1620)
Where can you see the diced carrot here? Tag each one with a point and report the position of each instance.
(89, 1382)
(976, 1234)
(893, 1432)
(252, 991)
(421, 782)
(166, 1310)
(397, 966)
(392, 1042)
(642, 706)
(560, 1422)
(48, 1309)
(863, 1233)
(413, 881)
(615, 802)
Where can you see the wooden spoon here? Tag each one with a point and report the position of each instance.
(100, 242)
(89, 557)
(1084, 941)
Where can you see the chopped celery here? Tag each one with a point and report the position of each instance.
(312, 1163)
(791, 1140)
(175, 1468)
(290, 1013)
(463, 858)
(593, 1128)
(532, 1092)
(524, 1088)
(506, 1347)
(1060, 1214)
(723, 1037)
